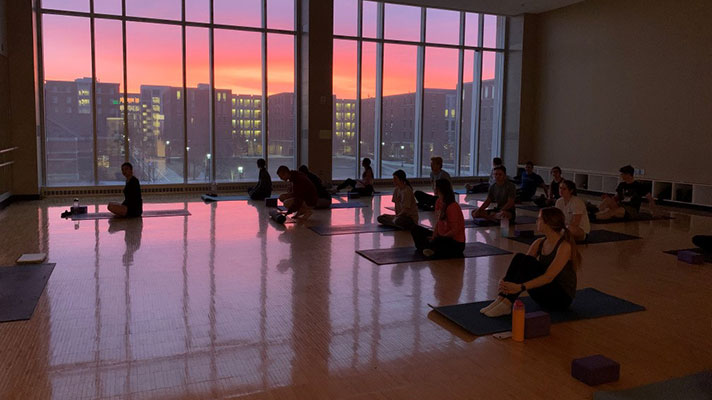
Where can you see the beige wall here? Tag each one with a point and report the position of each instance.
(612, 82)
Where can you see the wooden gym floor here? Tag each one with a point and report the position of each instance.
(226, 304)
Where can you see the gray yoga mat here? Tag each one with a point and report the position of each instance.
(331, 230)
(519, 220)
(588, 303)
(20, 289)
(708, 256)
(594, 237)
(691, 387)
(146, 214)
(207, 198)
(397, 255)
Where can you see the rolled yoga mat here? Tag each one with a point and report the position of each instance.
(397, 255)
(594, 237)
(691, 387)
(588, 303)
(20, 289)
(146, 214)
(331, 230)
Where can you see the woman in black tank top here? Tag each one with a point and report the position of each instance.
(547, 272)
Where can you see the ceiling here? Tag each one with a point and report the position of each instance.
(501, 7)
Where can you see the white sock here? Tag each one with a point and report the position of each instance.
(492, 304)
(503, 308)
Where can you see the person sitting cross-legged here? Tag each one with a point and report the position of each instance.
(547, 272)
(447, 239)
(132, 205)
(263, 189)
(406, 216)
(629, 196)
(426, 202)
(502, 193)
(574, 210)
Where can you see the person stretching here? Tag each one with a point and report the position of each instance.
(406, 216)
(426, 202)
(133, 203)
(574, 210)
(547, 271)
(502, 193)
(363, 187)
(302, 196)
(629, 195)
(263, 189)
(323, 195)
(447, 239)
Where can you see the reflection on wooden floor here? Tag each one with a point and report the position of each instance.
(225, 303)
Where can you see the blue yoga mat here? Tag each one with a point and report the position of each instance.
(594, 237)
(397, 255)
(350, 204)
(481, 222)
(691, 387)
(589, 303)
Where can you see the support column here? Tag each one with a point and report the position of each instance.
(316, 25)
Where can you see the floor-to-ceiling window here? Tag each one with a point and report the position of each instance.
(422, 82)
(188, 91)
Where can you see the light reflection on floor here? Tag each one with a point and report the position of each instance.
(225, 301)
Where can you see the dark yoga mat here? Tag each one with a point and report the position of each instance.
(146, 214)
(594, 237)
(331, 230)
(643, 217)
(20, 289)
(397, 255)
(708, 256)
(207, 198)
(519, 220)
(691, 387)
(589, 303)
(530, 208)
(349, 204)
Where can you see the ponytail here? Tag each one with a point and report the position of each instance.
(575, 255)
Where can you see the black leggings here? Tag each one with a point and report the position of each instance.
(704, 242)
(444, 247)
(425, 201)
(363, 191)
(524, 268)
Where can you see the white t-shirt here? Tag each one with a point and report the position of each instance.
(574, 207)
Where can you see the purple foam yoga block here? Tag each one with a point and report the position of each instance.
(523, 233)
(271, 202)
(536, 324)
(595, 370)
(690, 257)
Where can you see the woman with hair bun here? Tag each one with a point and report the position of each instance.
(547, 271)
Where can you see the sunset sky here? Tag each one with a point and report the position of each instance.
(154, 50)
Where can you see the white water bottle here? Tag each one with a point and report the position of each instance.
(504, 227)
(76, 202)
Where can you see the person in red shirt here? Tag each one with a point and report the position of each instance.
(447, 239)
(302, 196)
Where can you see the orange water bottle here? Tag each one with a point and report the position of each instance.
(518, 321)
